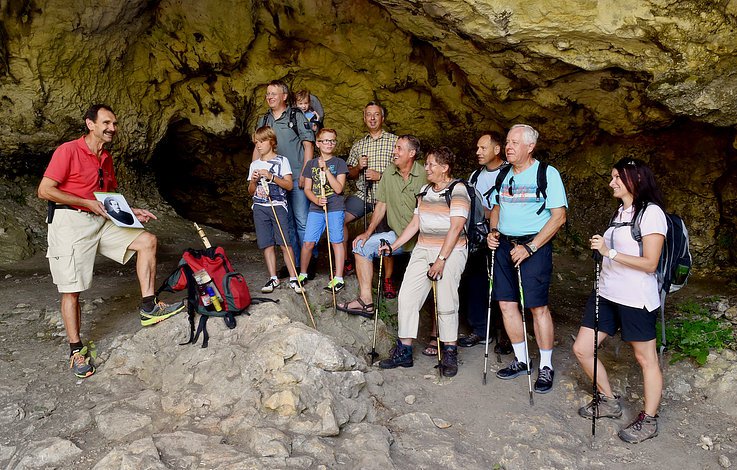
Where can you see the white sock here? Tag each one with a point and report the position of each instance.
(292, 279)
(519, 351)
(546, 356)
(338, 279)
(303, 274)
(274, 278)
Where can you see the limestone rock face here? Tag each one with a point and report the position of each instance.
(599, 79)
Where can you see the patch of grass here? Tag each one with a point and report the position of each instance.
(693, 333)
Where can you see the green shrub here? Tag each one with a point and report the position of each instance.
(693, 333)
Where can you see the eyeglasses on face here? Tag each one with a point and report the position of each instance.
(328, 141)
(272, 94)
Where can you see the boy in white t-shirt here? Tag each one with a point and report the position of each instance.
(270, 179)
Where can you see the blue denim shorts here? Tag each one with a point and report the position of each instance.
(316, 226)
(370, 249)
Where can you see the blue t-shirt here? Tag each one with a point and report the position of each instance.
(336, 166)
(518, 203)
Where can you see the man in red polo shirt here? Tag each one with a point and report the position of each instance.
(79, 228)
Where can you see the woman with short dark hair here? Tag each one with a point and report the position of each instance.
(440, 255)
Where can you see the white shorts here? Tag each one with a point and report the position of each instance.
(75, 237)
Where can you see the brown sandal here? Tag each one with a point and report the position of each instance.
(431, 350)
(366, 310)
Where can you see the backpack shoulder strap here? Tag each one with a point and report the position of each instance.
(421, 194)
(449, 190)
(499, 180)
(264, 120)
(475, 177)
(293, 120)
(542, 185)
(636, 230)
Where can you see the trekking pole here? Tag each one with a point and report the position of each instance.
(265, 185)
(202, 235)
(437, 324)
(597, 271)
(488, 315)
(379, 288)
(365, 200)
(327, 232)
(524, 331)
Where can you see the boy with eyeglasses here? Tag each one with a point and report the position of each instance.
(324, 182)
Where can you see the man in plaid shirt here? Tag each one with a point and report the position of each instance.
(369, 156)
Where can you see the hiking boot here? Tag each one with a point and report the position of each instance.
(348, 268)
(390, 290)
(338, 285)
(472, 340)
(401, 356)
(503, 347)
(80, 364)
(544, 382)
(302, 279)
(514, 369)
(608, 407)
(270, 285)
(160, 312)
(294, 285)
(449, 362)
(644, 427)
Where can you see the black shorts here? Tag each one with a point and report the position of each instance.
(637, 324)
(536, 273)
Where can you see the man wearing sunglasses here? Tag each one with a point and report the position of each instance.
(79, 228)
(523, 222)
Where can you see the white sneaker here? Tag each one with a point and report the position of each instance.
(293, 284)
(270, 285)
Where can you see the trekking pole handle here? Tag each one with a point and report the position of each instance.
(385, 242)
(202, 235)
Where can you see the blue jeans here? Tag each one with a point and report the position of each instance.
(298, 208)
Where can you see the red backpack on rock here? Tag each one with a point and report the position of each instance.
(214, 289)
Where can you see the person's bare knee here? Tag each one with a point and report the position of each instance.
(146, 242)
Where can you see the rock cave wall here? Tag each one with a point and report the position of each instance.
(600, 79)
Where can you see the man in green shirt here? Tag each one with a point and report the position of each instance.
(400, 183)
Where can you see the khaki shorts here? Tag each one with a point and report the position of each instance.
(75, 238)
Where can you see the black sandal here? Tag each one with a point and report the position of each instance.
(366, 310)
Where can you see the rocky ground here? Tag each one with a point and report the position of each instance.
(274, 393)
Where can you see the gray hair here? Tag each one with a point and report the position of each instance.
(529, 134)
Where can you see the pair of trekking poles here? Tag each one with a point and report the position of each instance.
(490, 271)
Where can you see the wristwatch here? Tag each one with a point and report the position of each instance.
(442, 258)
(533, 247)
(612, 253)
